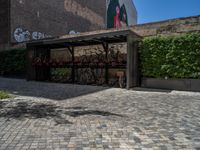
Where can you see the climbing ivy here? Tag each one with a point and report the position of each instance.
(175, 56)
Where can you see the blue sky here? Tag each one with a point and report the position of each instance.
(157, 10)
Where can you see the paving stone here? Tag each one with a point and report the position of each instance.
(63, 116)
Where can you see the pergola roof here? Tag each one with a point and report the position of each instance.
(86, 38)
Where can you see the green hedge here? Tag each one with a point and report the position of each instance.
(13, 62)
(171, 56)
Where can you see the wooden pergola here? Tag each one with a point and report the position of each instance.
(103, 37)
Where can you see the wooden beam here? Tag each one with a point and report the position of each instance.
(30, 69)
(105, 47)
(73, 68)
(70, 49)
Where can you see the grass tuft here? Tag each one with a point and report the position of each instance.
(4, 95)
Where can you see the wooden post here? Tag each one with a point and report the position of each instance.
(30, 69)
(105, 46)
(132, 63)
(47, 71)
(71, 49)
(136, 78)
(73, 69)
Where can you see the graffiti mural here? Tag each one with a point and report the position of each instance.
(23, 35)
(120, 13)
(72, 32)
(39, 35)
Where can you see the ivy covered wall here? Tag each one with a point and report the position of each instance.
(171, 56)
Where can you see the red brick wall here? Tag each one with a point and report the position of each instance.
(53, 17)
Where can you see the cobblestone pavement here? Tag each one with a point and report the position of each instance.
(97, 118)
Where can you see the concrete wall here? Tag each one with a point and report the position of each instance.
(172, 84)
(4, 23)
(36, 19)
(168, 27)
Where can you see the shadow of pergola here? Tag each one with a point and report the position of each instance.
(51, 91)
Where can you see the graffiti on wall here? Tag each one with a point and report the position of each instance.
(120, 13)
(23, 35)
(38, 35)
(72, 32)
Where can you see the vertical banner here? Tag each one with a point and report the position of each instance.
(121, 13)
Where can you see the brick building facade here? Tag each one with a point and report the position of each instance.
(23, 20)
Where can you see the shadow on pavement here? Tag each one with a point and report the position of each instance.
(52, 91)
(35, 110)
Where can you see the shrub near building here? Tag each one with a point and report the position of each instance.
(13, 63)
(171, 56)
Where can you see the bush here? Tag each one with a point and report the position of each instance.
(13, 62)
(171, 56)
(60, 74)
(4, 95)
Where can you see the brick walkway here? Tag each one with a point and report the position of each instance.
(72, 117)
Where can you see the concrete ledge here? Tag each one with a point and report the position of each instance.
(172, 84)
